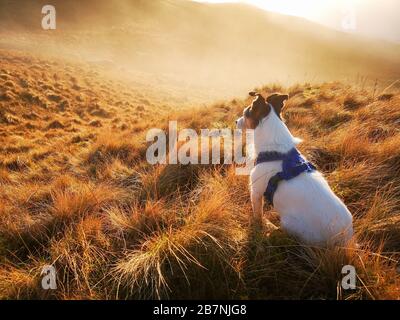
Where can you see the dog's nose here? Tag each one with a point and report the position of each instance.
(236, 121)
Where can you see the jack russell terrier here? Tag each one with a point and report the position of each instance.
(307, 206)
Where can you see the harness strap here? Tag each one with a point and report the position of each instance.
(270, 156)
(293, 165)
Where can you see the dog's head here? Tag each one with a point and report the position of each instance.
(260, 108)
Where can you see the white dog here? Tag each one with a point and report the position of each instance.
(307, 206)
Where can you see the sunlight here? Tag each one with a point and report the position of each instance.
(302, 8)
(315, 10)
(371, 18)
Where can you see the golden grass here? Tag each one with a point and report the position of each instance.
(77, 193)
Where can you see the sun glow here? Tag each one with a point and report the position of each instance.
(373, 18)
(316, 10)
(301, 8)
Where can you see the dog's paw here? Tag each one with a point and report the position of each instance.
(269, 226)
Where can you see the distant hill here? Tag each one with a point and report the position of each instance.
(221, 46)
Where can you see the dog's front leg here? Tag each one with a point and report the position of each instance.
(257, 204)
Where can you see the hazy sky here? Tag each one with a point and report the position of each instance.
(376, 18)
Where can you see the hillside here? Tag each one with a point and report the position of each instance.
(200, 44)
(76, 192)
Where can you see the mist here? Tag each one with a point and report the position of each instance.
(214, 50)
(371, 18)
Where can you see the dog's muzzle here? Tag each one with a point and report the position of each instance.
(240, 123)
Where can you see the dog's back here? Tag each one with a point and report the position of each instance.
(307, 206)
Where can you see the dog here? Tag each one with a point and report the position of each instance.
(308, 208)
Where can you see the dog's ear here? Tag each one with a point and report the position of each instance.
(259, 107)
(257, 110)
(277, 100)
(254, 94)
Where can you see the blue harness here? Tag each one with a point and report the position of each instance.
(293, 165)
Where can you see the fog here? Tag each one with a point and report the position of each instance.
(221, 50)
(373, 18)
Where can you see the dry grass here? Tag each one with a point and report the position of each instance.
(77, 193)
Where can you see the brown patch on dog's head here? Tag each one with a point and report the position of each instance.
(258, 110)
(277, 101)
